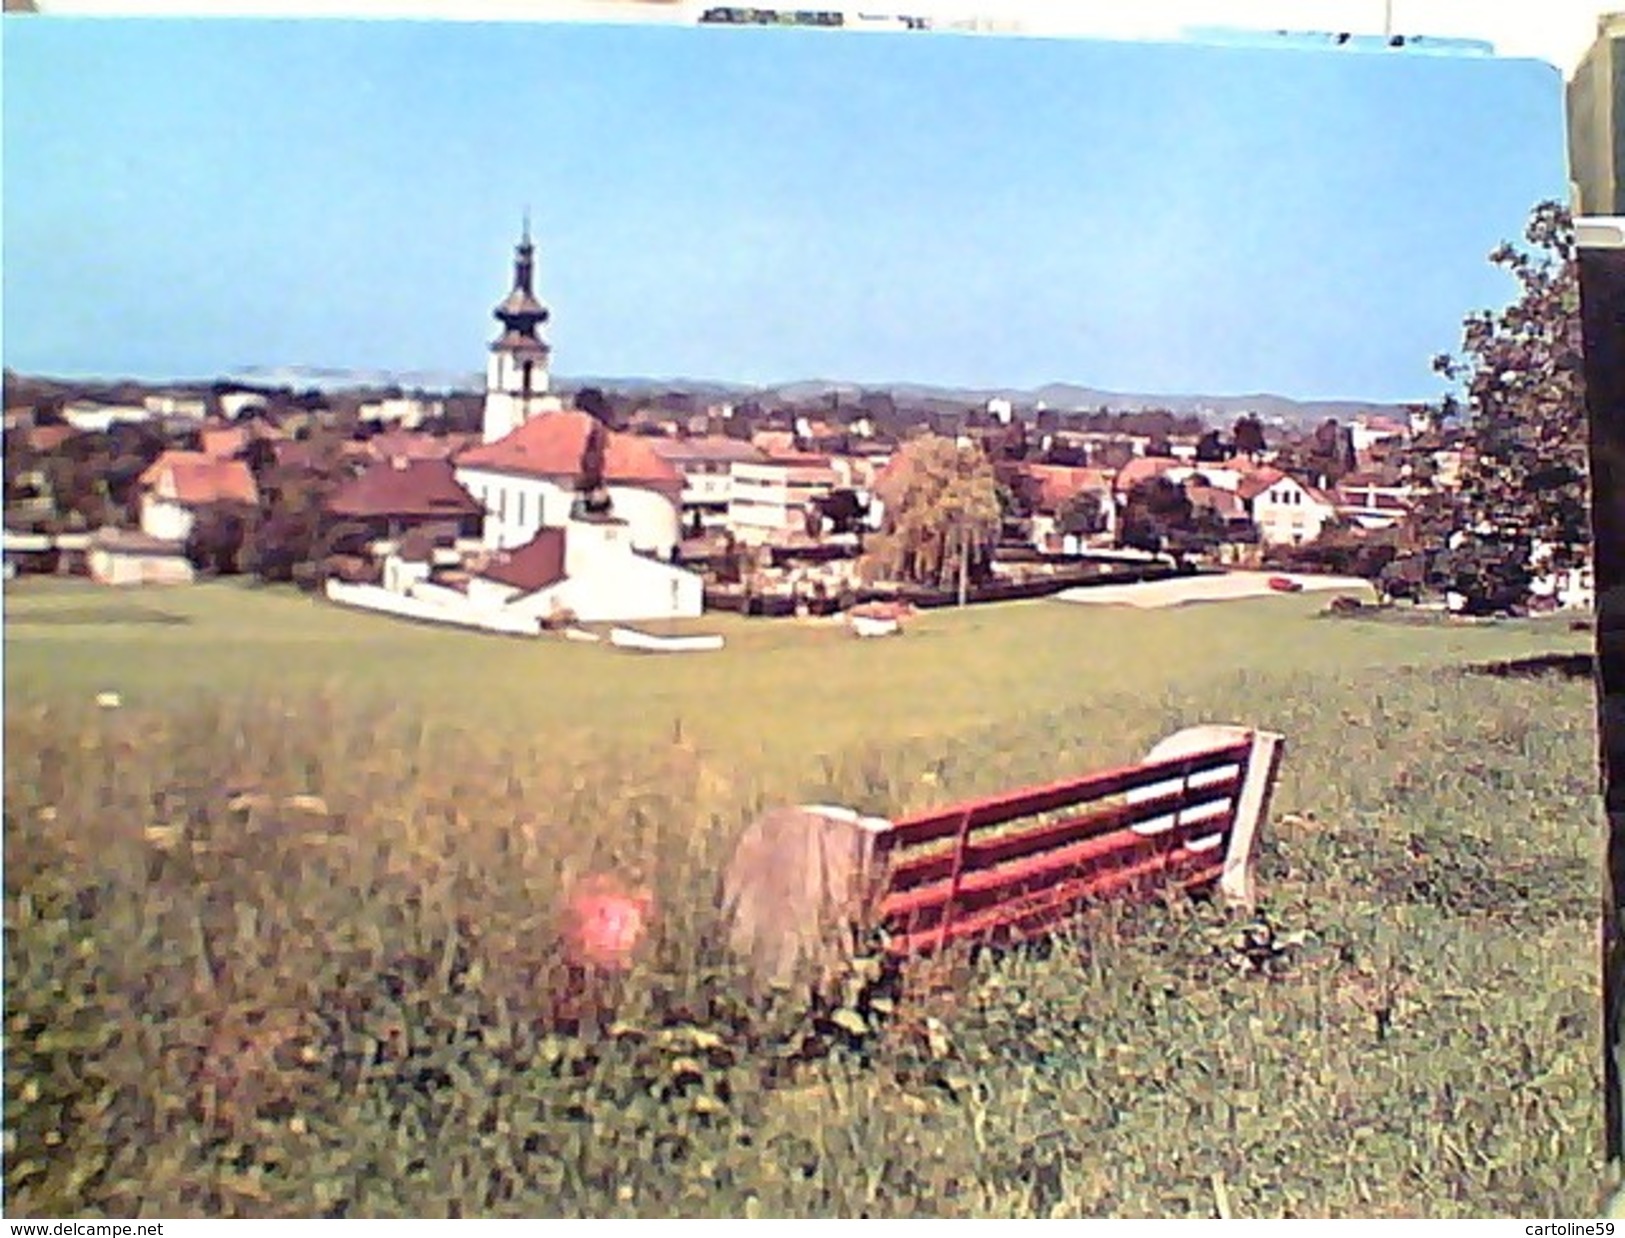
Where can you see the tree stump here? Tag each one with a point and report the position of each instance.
(801, 881)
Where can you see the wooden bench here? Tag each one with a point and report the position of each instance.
(1007, 866)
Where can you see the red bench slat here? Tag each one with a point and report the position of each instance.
(1058, 903)
(1099, 853)
(940, 823)
(914, 871)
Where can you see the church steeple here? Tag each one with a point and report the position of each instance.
(520, 312)
(517, 375)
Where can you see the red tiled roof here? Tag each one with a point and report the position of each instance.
(1255, 485)
(681, 451)
(48, 438)
(797, 459)
(550, 446)
(1057, 483)
(1252, 487)
(225, 441)
(1387, 425)
(411, 446)
(1224, 502)
(535, 565)
(402, 487)
(1144, 468)
(193, 478)
(774, 440)
(297, 454)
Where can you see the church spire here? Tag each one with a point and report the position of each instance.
(520, 312)
(517, 376)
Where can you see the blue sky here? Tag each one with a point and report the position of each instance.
(184, 199)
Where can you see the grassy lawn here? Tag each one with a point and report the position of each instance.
(782, 693)
(1429, 1050)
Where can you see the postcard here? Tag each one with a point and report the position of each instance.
(793, 617)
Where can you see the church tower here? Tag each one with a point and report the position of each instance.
(516, 378)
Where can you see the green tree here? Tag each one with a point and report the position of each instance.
(1156, 512)
(219, 533)
(1248, 435)
(941, 516)
(1522, 503)
(1082, 515)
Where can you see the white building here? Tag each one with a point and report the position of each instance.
(233, 404)
(1367, 432)
(178, 483)
(1372, 505)
(407, 412)
(528, 481)
(769, 498)
(706, 465)
(587, 569)
(1285, 510)
(91, 417)
(189, 408)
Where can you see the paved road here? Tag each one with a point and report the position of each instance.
(1225, 588)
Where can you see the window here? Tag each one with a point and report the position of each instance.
(521, 516)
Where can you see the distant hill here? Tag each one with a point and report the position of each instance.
(329, 379)
(1063, 397)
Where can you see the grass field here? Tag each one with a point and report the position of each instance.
(1430, 1049)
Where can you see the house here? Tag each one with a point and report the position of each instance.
(769, 499)
(26, 549)
(856, 472)
(1184, 447)
(1371, 503)
(412, 561)
(94, 417)
(587, 569)
(404, 411)
(526, 481)
(46, 440)
(123, 557)
(1286, 511)
(391, 444)
(226, 442)
(177, 407)
(706, 466)
(1052, 488)
(1222, 501)
(178, 483)
(396, 496)
(1238, 539)
(235, 402)
(1145, 468)
(774, 442)
(1369, 430)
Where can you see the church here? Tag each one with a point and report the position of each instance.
(526, 468)
(548, 550)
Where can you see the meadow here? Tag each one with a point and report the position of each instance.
(278, 927)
